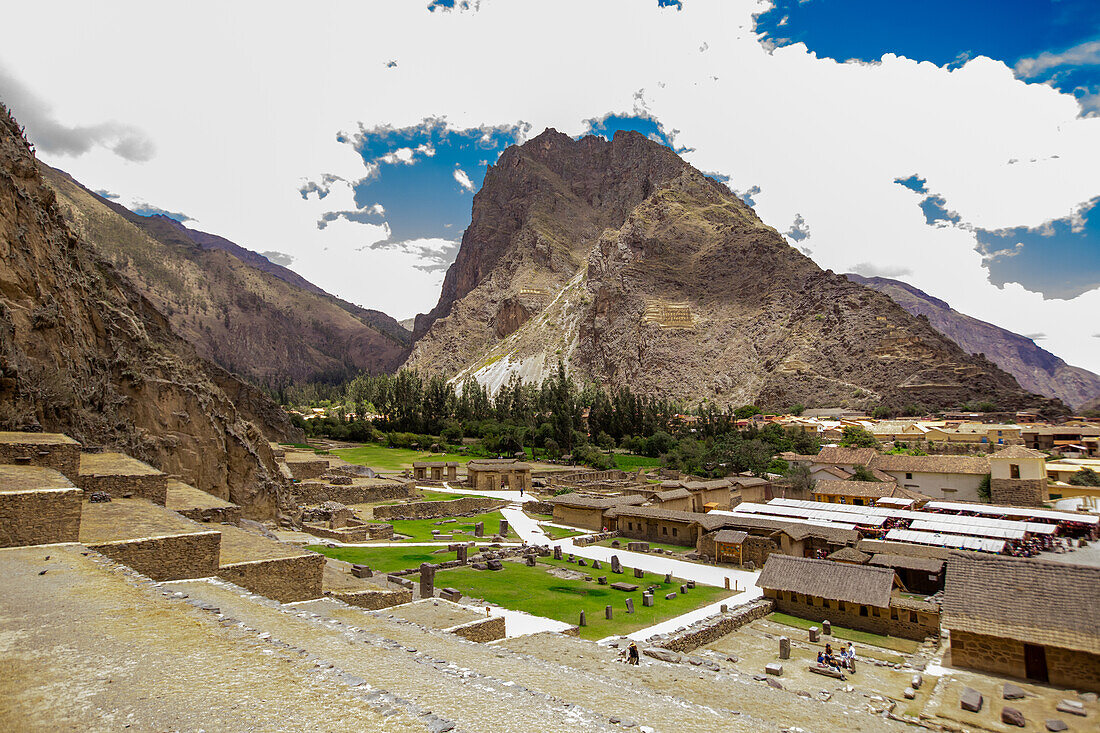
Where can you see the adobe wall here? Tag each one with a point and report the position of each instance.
(1065, 667)
(318, 493)
(62, 457)
(1018, 491)
(754, 549)
(653, 530)
(39, 517)
(714, 628)
(467, 505)
(481, 630)
(372, 600)
(175, 557)
(214, 515)
(575, 517)
(283, 579)
(878, 620)
(153, 487)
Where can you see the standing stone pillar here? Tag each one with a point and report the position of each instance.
(557, 552)
(727, 583)
(638, 573)
(596, 565)
(784, 648)
(668, 577)
(647, 599)
(503, 528)
(427, 580)
(462, 553)
(815, 633)
(616, 567)
(630, 605)
(530, 560)
(607, 612)
(826, 628)
(479, 529)
(582, 621)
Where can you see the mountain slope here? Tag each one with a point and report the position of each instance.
(83, 353)
(1035, 368)
(262, 324)
(654, 276)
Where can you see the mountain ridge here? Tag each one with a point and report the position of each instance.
(1035, 368)
(634, 268)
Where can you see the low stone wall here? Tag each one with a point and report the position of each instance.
(153, 487)
(303, 470)
(372, 600)
(61, 457)
(713, 628)
(341, 534)
(175, 557)
(39, 517)
(313, 492)
(214, 515)
(587, 477)
(481, 630)
(1065, 667)
(1018, 492)
(538, 507)
(465, 506)
(594, 538)
(877, 620)
(283, 579)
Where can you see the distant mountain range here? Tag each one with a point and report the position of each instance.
(240, 310)
(635, 269)
(1035, 368)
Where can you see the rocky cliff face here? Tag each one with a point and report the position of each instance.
(1036, 369)
(81, 352)
(636, 269)
(258, 320)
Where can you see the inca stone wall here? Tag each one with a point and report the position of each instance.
(283, 579)
(153, 487)
(756, 550)
(175, 557)
(312, 492)
(482, 630)
(213, 515)
(1018, 491)
(303, 470)
(61, 457)
(39, 517)
(373, 600)
(467, 505)
(715, 627)
(1065, 667)
(877, 620)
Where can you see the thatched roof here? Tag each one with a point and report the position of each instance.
(842, 456)
(498, 464)
(651, 512)
(862, 489)
(1018, 451)
(795, 530)
(672, 494)
(730, 536)
(849, 554)
(932, 464)
(1027, 600)
(585, 501)
(864, 584)
(908, 562)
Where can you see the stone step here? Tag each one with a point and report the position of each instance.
(38, 506)
(120, 475)
(199, 506)
(275, 569)
(409, 661)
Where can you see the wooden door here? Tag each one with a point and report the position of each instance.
(1035, 662)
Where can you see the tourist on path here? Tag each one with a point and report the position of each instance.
(632, 654)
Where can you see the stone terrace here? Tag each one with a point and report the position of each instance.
(37, 506)
(118, 474)
(274, 569)
(200, 506)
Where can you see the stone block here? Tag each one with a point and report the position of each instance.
(916, 681)
(773, 668)
(615, 543)
(1073, 707)
(581, 562)
(1053, 724)
(665, 655)
(596, 565)
(444, 537)
(625, 587)
(909, 693)
(495, 565)
(683, 589)
(557, 552)
(784, 648)
(582, 621)
(361, 571)
(530, 560)
(602, 580)
(638, 573)
(479, 566)
(462, 553)
(827, 628)
(815, 634)
(607, 612)
(670, 596)
(725, 608)
(647, 600)
(479, 529)
(691, 584)
(971, 700)
(1012, 716)
(668, 577)
(1012, 692)
(616, 566)
(503, 530)
(637, 546)
(629, 605)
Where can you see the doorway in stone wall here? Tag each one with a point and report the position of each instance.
(1035, 662)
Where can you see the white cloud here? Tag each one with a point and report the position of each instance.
(464, 180)
(242, 127)
(1084, 54)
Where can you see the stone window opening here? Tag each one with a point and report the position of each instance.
(664, 530)
(863, 611)
(673, 531)
(908, 476)
(913, 617)
(1013, 470)
(893, 614)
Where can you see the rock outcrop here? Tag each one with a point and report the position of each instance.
(1036, 369)
(83, 353)
(237, 308)
(636, 269)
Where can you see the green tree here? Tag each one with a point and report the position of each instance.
(855, 436)
(798, 476)
(1085, 477)
(985, 492)
(862, 473)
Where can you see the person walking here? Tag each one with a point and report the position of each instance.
(632, 653)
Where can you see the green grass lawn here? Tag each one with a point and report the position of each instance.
(384, 559)
(662, 545)
(536, 591)
(393, 459)
(420, 530)
(558, 533)
(631, 462)
(906, 646)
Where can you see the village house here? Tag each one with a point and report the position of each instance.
(435, 470)
(498, 473)
(1018, 477)
(854, 596)
(654, 524)
(750, 488)
(580, 510)
(765, 536)
(1063, 470)
(1083, 440)
(940, 477)
(1024, 618)
(862, 493)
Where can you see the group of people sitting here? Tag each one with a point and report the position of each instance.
(845, 660)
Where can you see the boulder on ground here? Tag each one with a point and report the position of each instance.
(665, 655)
(1012, 716)
(971, 700)
(1012, 692)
